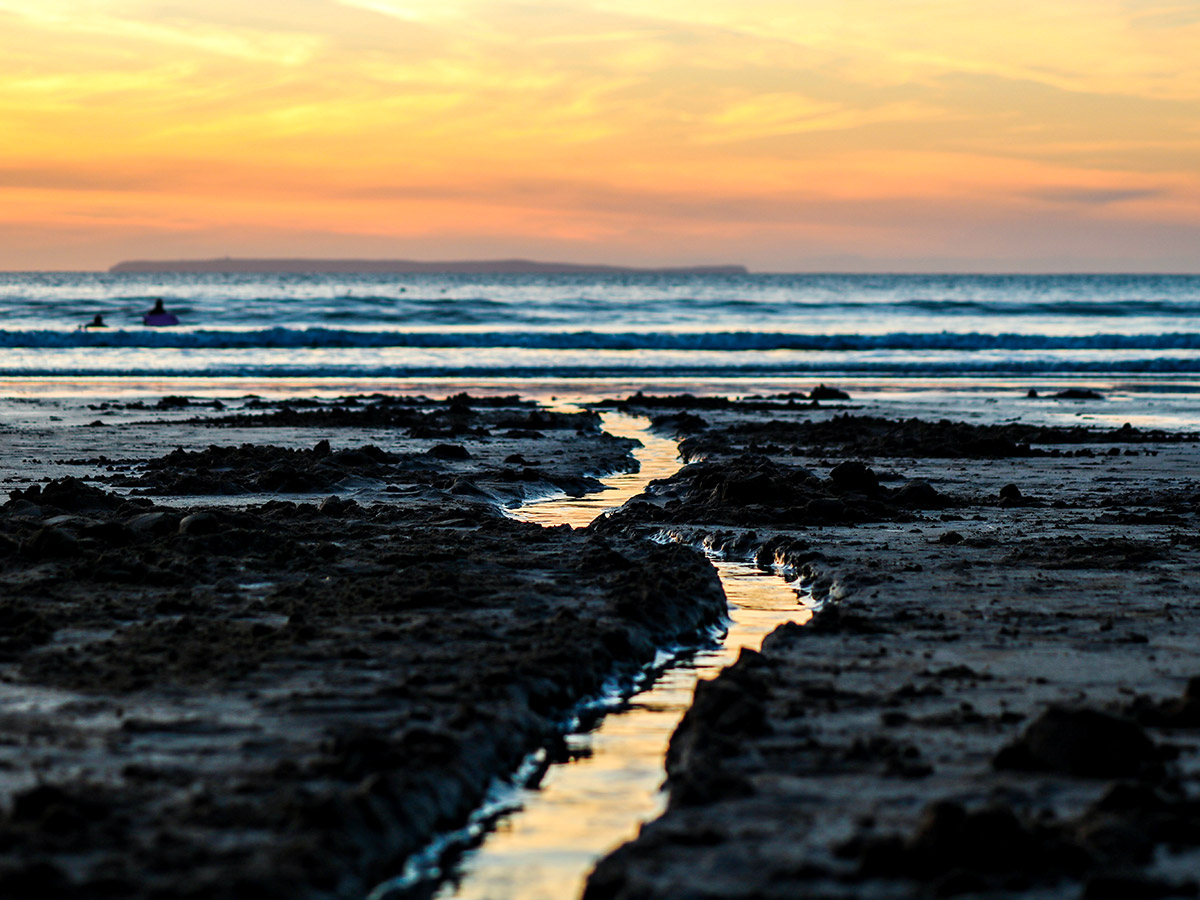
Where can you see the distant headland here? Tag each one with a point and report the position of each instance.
(405, 267)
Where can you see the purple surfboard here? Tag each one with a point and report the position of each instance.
(159, 320)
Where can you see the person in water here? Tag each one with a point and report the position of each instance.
(158, 317)
(97, 322)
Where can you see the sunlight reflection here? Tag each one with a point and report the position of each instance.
(658, 458)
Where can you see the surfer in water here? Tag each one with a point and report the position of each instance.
(158, 317)
(97, 322)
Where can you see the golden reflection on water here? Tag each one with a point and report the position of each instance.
(585, 808)
(659, 458)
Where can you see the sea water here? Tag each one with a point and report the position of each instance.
(634, 328)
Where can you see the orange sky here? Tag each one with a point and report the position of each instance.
(829, 134)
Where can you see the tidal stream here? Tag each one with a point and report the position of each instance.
(540, 842)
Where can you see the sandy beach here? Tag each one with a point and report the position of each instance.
(274, 647)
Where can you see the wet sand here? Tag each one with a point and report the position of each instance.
(996, 698)
(270, 648)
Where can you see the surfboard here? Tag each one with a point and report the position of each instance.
(159, 320)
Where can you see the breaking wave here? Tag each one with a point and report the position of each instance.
(732, 341)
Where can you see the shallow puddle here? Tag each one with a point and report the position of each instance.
(541, 842)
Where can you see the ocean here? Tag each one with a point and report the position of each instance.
(633, 328)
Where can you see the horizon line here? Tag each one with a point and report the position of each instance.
(428, 267)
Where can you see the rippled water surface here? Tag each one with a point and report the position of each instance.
(526, 326)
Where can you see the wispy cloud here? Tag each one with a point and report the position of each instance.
(1094, 196)
(850, 124)
(72, 178)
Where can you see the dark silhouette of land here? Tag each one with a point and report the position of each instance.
(407, 267)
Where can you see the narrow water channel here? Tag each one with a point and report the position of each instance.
(546, 838)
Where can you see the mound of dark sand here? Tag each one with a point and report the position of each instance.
(459, 416)
(263, 469)
(872, 436)
(165, 403)
(755, 490)
(268, 469)
(1175, 712)
(964, 850)
(960, 851)
(66, 495)
(823, 392)
(641, 402)
(1085, 742)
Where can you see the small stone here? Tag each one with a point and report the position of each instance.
(449, 451)
(1010, 492)
(1082, 742)
(333, 505)
(153, 523)
(919, 494)
(199, 523)
(854, 476)
(52, 543)
(822, 392)
(464, 488)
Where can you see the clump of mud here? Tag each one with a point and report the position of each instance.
(265, 469)
(455, 417)
(756, 490)
(849, 435)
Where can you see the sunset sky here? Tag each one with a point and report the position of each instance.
(1033, 135)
